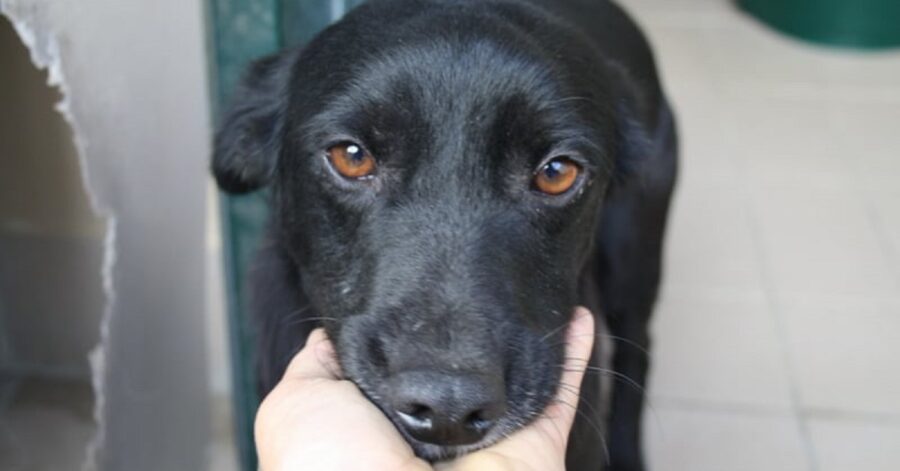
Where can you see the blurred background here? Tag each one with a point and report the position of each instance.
(122, 346)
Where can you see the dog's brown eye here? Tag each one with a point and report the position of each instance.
(556, 176)
(351, 160)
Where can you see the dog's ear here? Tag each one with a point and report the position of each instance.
(646, 145)
(248, 139)
(634, 144)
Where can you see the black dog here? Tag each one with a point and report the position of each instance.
(449, 178)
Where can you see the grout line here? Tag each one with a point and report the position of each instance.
(719, 406)
(881, 418)
(682, 403)
(891, 252)
(777, 312)
(884, 241)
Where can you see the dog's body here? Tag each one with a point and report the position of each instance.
(446, 256)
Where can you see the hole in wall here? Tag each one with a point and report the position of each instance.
(51, 295)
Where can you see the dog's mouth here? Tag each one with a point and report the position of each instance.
(441, 447)
(447, 403)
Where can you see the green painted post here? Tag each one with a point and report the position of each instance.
(241, 31)
(302, 19)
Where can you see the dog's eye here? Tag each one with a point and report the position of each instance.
(351, 160)
(556, 176)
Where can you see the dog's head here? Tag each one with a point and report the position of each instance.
(437, 185)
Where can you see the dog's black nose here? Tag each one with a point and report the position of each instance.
(447, 409)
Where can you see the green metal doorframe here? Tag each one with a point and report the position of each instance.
(238, 32)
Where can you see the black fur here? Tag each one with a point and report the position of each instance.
(448, 259)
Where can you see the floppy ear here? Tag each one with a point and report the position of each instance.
(647, 145)
(634, 142)
(248, 139)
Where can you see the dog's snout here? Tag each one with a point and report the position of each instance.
(447, 409)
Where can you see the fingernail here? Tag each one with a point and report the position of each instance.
(581, 323)
(581, 314)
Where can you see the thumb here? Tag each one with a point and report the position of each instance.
(317, 359)
(560, 414)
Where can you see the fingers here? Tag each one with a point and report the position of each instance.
(317, 359)
(579, 342)
(281, 411)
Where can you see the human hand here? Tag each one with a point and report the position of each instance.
(312, 418)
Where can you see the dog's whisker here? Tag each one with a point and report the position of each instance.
(627, 342)
(596, 428)
(553, 331)
(291, 353)
(311, 319)
(581, 400)
(620, 376)
(591, 408)
(590, 422)
(631, 343)
(295, 314)
(628, 380)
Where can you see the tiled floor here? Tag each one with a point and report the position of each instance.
(778, 329)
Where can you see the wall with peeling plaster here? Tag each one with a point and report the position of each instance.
(49, 236)
(132, 80)
(51, 295)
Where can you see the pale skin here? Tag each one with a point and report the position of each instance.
(316, 420)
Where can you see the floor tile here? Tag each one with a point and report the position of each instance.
(843, 445)
(750, 54)
(709, 242)
(697, 440)
(845, 350)
(885, 207)
(869, 140)
(721, 348)
(824, 242)
(681, 53)
(681, 13)
(787, 142)
(707, 151)
(848, 70)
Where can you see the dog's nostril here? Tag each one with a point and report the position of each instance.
(417, 415)
(478, 421)
(447, 409)
(420, 411)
